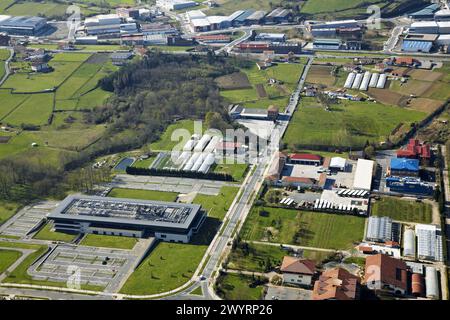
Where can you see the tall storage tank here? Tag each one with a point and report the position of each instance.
(382, 81)
(365, 81)
(357, 81)
(431, 283)
(350, 78)
(417, 284)
(409, 243)
(374, 80)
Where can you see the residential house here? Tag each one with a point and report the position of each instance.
(386, 273)
(297, 271)
(336, 284)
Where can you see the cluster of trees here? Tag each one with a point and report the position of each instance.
(179, 173)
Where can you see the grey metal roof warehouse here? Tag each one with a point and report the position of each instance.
(140, 213)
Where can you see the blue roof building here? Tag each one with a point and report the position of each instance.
(404, 167)
(417, 46)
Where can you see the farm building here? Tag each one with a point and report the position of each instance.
(274, 37)
(256, 17)
(403, 167)
(306, 158)
(424, 27)
(426, 13)
(279, 15)
(429, 242)
(336, 284)
(392, 274)
(416, 150)
(297, 271)
(166, 221)
(28, 26)
(363, 174)
(379, 229)
(276, 168)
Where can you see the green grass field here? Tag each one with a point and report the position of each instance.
(260, 253)
(165, 142)
(35, 109)
(320, 6)
(314, 229)
(46, 233)
(7, 210)
(217, 206)
(403, 210)
(168, 267)
(237, 171)
(143, 194)
(237, 287)
(117, 242)
(227, 7)
(348, 124)
(4, 55)
(287, 74)
(7, 258)
(47, 8)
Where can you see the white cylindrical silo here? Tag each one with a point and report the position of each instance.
(431, 283)
(409, 243)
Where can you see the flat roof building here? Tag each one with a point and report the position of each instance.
(166, 221)
(429, 242)
(404, 167)
(22, 25)
(364, 174)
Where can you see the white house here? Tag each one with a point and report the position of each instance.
(297, 271)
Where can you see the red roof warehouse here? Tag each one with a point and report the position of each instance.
(415, 150)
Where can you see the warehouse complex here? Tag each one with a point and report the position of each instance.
(20, 25)
(166, 221)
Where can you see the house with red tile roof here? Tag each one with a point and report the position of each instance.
(306, 158)
(416, 150)
(386, 273)
(336, 284)
(297, 271)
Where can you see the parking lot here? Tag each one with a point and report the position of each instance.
(27, 219)
(287, 293)
(95, 266)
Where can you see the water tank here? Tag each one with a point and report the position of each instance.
(431, 283)
(417, 284)
(409, 243)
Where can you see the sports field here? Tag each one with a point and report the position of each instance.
(403, 210)
(347, 124)
(303, 228)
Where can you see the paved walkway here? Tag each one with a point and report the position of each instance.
(25, 254)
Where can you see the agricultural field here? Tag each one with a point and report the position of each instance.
(117, 242)
(251, 87)
(347, 124)
(56, 114)
(227, 7)
(320, 6)
(303, 228)
(4, 55)
(260, 254)
(403, 210)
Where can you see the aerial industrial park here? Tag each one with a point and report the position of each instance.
(224, 150)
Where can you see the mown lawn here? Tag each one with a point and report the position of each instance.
(319, 6)
(237, 287)
(47, 234)
(168, 267)
(143, 194)
(217, 206)
(403, 210)
(347, 124)
(165, 142)
(303, 228)
(7, 258)
(117, 242)
(237, 171)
